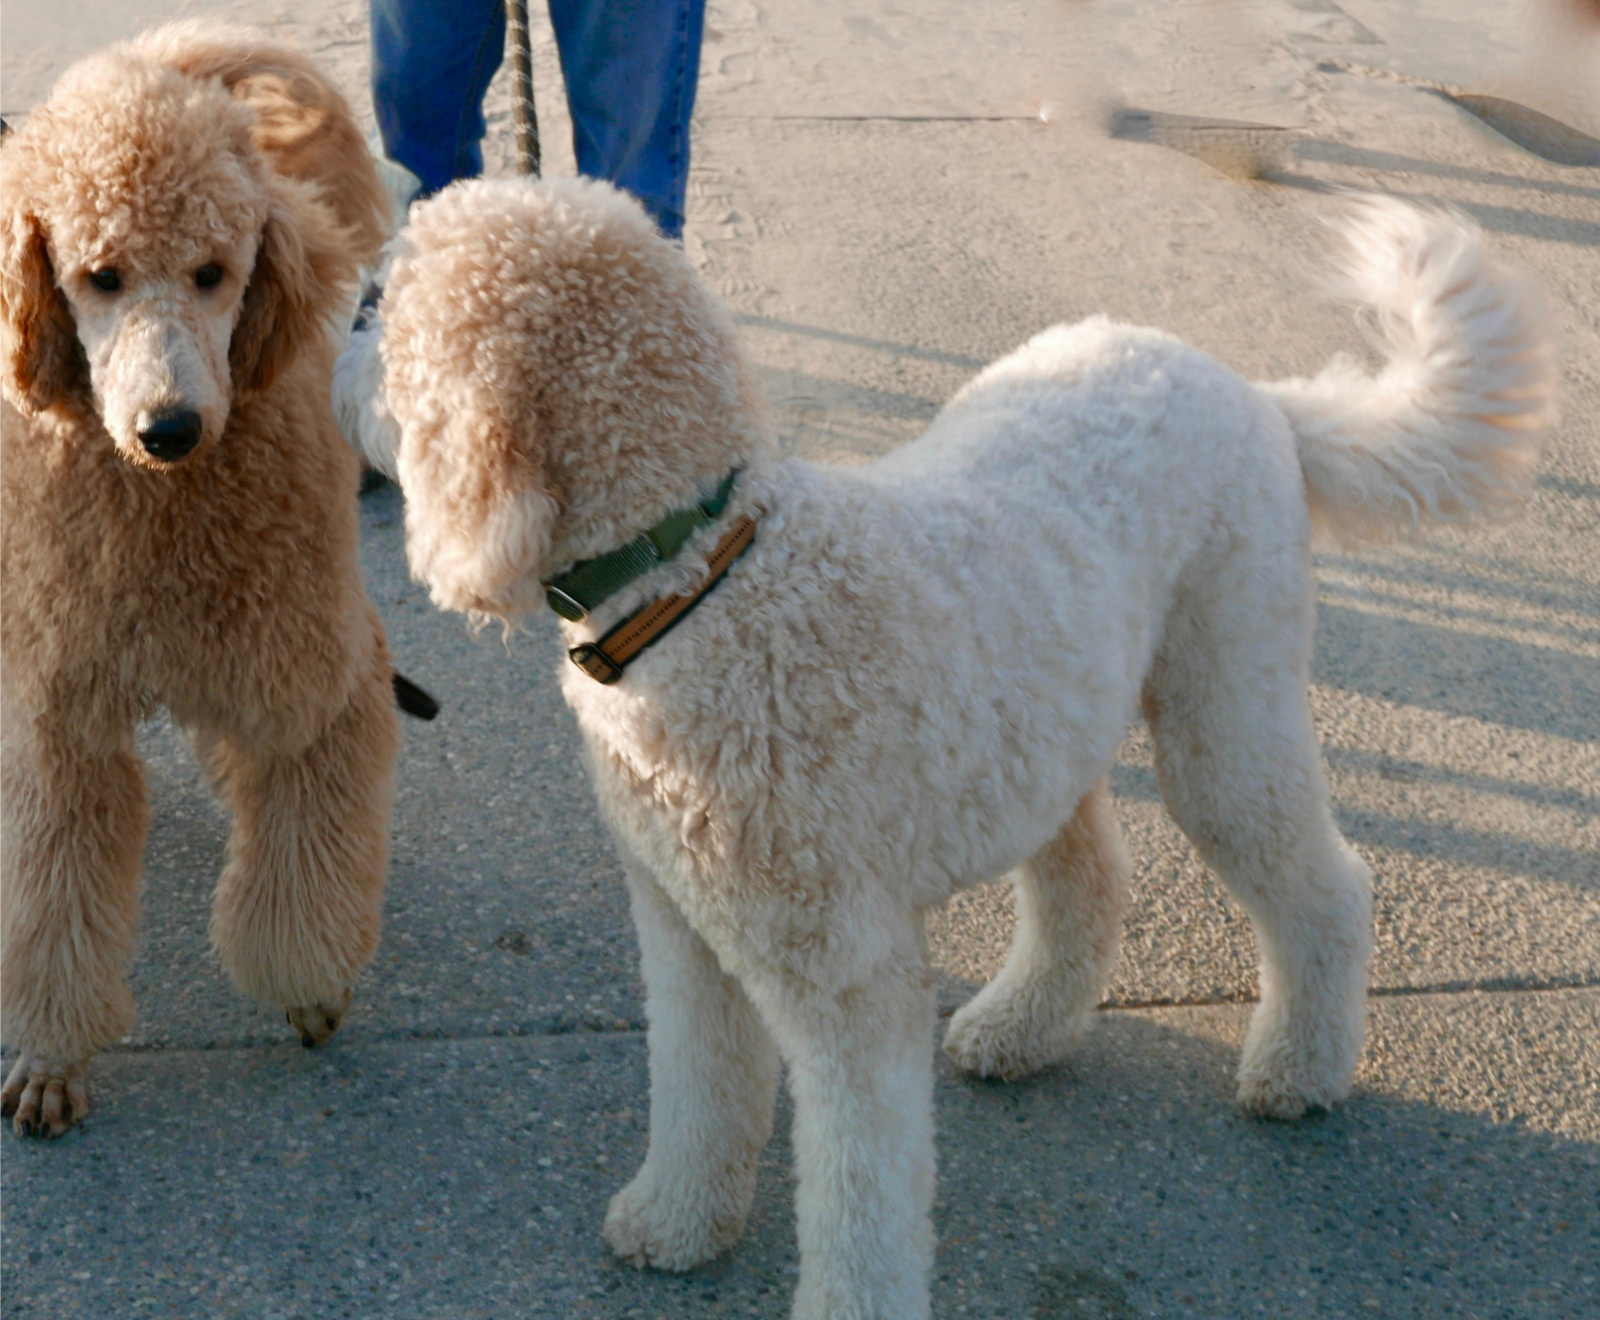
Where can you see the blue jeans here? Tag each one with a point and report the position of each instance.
(630, 68)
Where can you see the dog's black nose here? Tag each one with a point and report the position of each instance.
(171, 435)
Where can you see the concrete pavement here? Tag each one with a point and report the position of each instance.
(889, 196)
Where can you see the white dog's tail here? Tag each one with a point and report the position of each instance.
(1451, 425)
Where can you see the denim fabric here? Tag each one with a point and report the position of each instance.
(630, 66)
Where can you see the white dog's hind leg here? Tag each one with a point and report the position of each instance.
(861, 1071)
(713, 1080)
(1070, 898)
(1239, 769)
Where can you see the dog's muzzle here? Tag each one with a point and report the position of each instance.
(171, 435)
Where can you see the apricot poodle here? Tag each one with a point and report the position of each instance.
(180, 232)
(918, 673)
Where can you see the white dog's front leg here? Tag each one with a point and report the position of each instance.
(713, 1080)
(861, 1070)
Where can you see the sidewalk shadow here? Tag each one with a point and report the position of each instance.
(1124, 1184)
(1446, 841)
(468, 1179)
(1493, 679)
(1389, 162)
(752, 320)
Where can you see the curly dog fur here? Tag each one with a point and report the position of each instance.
(182, 224)
(919, 674)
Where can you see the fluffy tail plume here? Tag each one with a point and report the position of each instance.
(1451, 426)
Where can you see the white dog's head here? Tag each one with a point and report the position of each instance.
(561, 380)
(153, 270)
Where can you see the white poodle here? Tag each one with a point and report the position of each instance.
(918, 673)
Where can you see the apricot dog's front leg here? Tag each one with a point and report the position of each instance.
(297, 907)
(74, 824)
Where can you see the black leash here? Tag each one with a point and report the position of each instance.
(412, 699)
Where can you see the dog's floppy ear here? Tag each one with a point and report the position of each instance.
(479, 517)
(305, 269)
(44, 362)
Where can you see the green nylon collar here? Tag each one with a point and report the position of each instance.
(591, 582)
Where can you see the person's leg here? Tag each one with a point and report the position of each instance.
(432, 61)
(631, 67)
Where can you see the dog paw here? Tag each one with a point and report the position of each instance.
(1010, 1036)
(316, 1022)
(1285, 1095)
(45, 1099)
(1291, 1065)
(1267, 1098)
(661, 1223)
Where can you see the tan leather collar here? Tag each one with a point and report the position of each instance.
(606, 659)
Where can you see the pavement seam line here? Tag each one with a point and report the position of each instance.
(632, 1029)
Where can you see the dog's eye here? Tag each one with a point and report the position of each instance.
(209, 275)
(105, 279)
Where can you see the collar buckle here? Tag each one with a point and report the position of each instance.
(568, 607)
(595, 663)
